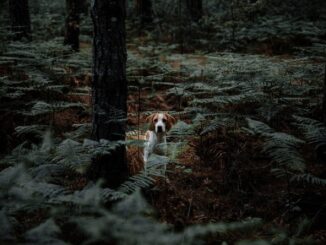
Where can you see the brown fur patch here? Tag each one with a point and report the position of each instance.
(170, 121)
(151, 119)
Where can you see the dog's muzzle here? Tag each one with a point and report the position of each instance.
(159, 129)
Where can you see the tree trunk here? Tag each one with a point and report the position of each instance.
(72, 25)
(195, 8)
(144, 11)
(20, 19)
(324, 97)
(109, 87)
(83, 7)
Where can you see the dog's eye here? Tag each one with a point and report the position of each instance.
(155, 120)
(164, 120)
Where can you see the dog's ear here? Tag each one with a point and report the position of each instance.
(170, 121)
(150, 120)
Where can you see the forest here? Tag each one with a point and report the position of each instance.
(239, 87)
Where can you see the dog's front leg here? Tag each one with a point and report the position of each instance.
(146, 155)
(165, 151)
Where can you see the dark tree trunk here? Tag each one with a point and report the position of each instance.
(195, 8)
(109, 87)
(324, 97)
(144, 11)
(20, 19)
(72, 24)
(83, 7)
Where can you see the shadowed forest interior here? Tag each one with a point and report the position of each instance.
(245, 159)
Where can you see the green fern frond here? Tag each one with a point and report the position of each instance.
(139, 181)
(181, 129)
(35, 129)
(81, 130)
(41, 107)
(282, 148)
(45, 233)
(91, 195)
(313, 130)
(214, 124)
(259, 127)
(309, 179)
(249, 97)
(134, 213)
(6, 231)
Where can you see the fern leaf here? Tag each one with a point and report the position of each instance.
(309, 179)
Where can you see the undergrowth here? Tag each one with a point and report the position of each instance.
(247, 122)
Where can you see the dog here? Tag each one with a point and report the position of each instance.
(155, 137)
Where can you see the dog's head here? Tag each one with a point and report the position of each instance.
(160, 122)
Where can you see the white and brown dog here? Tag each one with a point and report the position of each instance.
(160, 124)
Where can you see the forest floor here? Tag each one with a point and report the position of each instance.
(220, 174)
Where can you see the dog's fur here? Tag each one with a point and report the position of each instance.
(160, 124)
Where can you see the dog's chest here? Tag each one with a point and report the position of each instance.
(155, 141)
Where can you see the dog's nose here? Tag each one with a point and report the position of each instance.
(159, 129)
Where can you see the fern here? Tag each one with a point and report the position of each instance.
(90, 196)
(259, 127)
(214, 125)
(135, 221)
(313, 130)
(6, 232)
(309, 179)
(41, 107)
(24, 193)
(282, 148)
(45, 233)
(81, 131)
(140, 181)
(181, 129)
(37, 130)
(47, 172)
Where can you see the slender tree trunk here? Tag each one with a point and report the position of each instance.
(72, 24)
(195, 8)
(83, 7)
(109, 87)
(324, 98)
(20, 19)
(144, 11)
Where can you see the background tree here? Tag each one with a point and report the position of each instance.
(72, 24)
(109, 94)
(195, 8)
(20, 19)
(83, 7)
(324, 98)
(144, 11)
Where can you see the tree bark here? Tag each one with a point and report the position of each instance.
(20, 19)
(109, 87)
(83, 7)
(324, 97)
(72, 24)
(144, 11)
(195, 8)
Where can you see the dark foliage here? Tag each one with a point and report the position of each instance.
(246, 159)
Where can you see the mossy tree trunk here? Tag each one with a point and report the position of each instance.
(20, 19)
(109, 87)
(72, 24)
